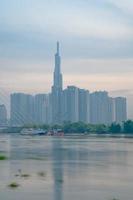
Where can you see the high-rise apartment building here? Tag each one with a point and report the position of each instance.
(42, 109)
(101, 108)
(73, 104)
(120, 109)
(3, 115)
(84, 106)
(22, 108)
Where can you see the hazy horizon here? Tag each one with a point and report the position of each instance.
(96, 40)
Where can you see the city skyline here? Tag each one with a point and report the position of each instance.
(57, 84)
(71, 104)
(66, 99)
(97, 51)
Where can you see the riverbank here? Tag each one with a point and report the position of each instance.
(79, 127)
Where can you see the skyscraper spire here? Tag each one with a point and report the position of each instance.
(58, 48)
(57, 88)
(57, 70)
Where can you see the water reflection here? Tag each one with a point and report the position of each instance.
(58, 169)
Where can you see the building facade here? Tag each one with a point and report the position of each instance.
(102, 110)
(72, 104)
(120, 109)
(84, 106)
(3, 115)
(22, 109)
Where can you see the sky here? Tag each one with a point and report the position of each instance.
(96, 39)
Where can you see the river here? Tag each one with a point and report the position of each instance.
(66, 168)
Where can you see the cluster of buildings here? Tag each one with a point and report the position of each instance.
(71, 104)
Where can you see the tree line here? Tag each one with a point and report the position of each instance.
(81, 127)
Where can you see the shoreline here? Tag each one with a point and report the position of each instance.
(92, 135)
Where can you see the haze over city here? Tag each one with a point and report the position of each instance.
(96, 45)
(66, 99)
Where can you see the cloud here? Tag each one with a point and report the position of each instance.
(98, 66)
(29, 29)
(125, 6)
(88, 20)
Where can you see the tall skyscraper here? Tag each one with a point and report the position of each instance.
(120, 109)
(110, 111)
(100, 108)
(84, 106)
(57, 90)
(22, 108)
(3, 115)
(42, 109)
(72, 104)
(57, 71)
(65, 106)
(76, 105)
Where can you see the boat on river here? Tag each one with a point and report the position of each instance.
(33, 132)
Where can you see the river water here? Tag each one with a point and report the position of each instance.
(66, 168)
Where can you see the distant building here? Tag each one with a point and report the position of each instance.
(75, 105)
(3, 115)
(42, 109)
(101, 108)
(72, 98)
(64, 104)
(84, 106)
(120, 109)
(22, 108)
(49, 109)
(56, 95)
(111, 111)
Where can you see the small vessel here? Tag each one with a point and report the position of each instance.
(27, 131)
(40, 132)
(32, 132)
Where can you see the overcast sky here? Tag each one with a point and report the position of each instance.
(96, 38)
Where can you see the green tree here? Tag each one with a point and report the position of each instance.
(115, 128)
(45, 127)
(57, 126)
(128, 126)
(77, 127)
(67, 127)
(101, 128)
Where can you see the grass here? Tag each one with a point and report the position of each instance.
(2, 157)
(25, 175)
(13, 185)
(22, 175)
